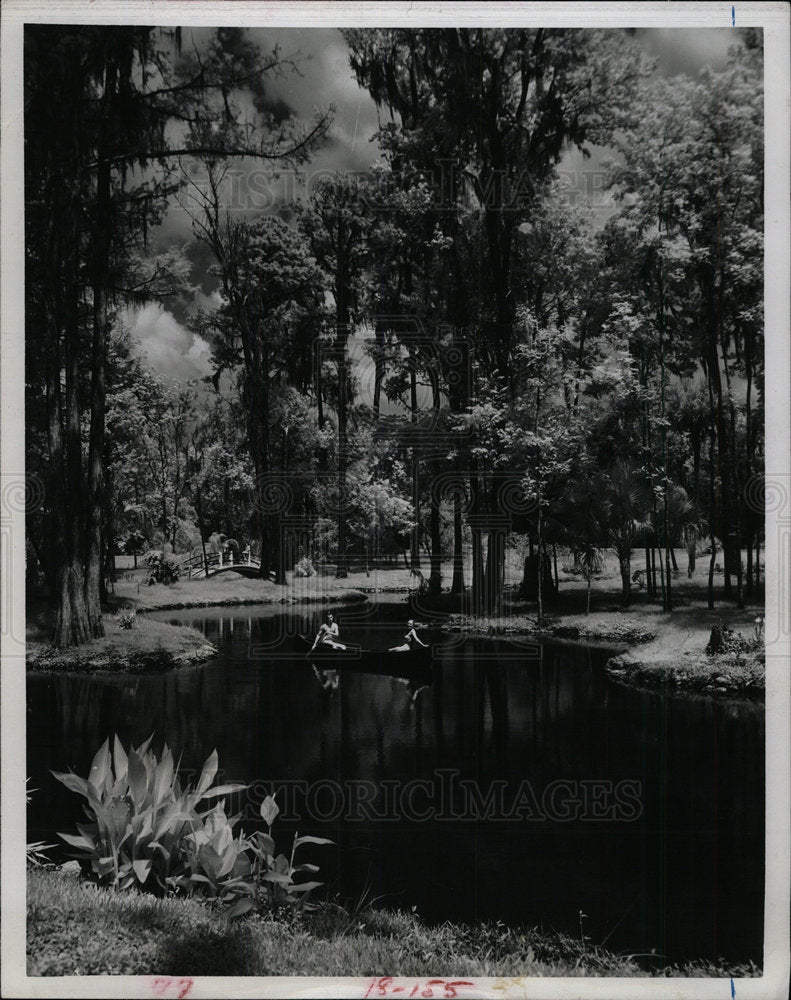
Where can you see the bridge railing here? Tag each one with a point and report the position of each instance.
(195, 562)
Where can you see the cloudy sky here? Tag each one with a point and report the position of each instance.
(325, 78)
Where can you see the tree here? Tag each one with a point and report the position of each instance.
(494, 109)
(266, 273)
(626, 519)
(101, 102)
(695, 184)
(336, 224)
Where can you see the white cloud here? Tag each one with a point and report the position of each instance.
(166, 345)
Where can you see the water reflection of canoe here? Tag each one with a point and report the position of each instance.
(354, 657)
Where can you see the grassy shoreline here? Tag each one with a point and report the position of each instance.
(652, 649)
(230, 589)
(76, 928)
(148, 646)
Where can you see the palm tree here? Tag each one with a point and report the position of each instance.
(627, 519)
(590, 560)
(584, 524)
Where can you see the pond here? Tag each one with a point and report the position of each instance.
(520, 784)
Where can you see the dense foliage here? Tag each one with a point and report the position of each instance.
(445, 356)
(146, 830)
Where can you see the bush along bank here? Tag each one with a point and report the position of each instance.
(147, 831)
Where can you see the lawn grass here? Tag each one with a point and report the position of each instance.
(145, 647)
(75, 928)
(230, 589)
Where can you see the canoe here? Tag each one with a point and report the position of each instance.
(373, 661)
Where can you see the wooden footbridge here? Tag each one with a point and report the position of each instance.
(197, 567)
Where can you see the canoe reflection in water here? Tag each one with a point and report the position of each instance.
(369, 661)
(330, 681)
(412, 667)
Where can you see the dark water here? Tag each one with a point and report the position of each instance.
(644, 811)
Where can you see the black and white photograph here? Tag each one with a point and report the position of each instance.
(396, 500)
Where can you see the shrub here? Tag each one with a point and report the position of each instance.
(145, 831)
(162, 569)
(273, 875)
(126, 618)
(304, 567)
(724, 640)
(141, 818)
(134, 542)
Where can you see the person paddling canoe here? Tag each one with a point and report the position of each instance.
(411, 640)
(328, 635)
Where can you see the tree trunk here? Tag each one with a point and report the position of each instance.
(96, 485)
(379, 368)
(43, 551)
(457, 585)
(667, 590)
(737, 505)
(712, 521)
(414, 534)
(748, 585)
(199, 513)
(714, 493)
(696, 470)
(108, 540)
(342, 571)
(435, 578)
(322, 454)
(625, 564)
(73, 624)
(496, 576)
(692, 544)
(268, 495)
(748, 436)
(477, 569)
(654, 587)
(540, 561)
(662, 578)
(495, 553)
(477, 546)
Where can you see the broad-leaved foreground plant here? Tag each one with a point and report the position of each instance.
(147, 831)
